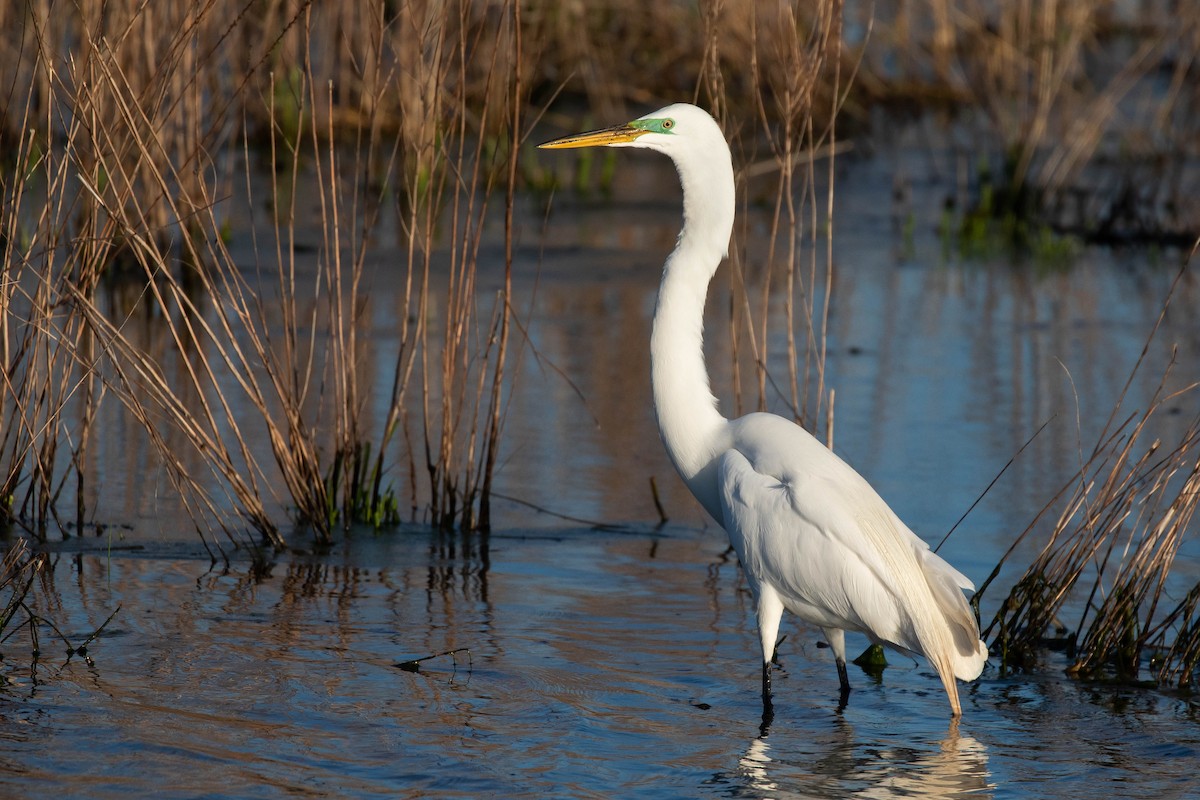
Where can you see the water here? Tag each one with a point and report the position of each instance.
(622, 663)
(600, 665)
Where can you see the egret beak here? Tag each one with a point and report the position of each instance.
(617, 134)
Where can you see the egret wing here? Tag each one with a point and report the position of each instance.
(801, 549)
(815, 530)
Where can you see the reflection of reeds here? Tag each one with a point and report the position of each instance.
(18, 571)
(1125, 515)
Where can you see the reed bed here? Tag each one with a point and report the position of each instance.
(130, 122)
(801, 85)
(1121, 521)
(1084, 115)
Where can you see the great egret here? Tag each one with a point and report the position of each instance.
(812, 535)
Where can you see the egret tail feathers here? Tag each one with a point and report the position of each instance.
(967, 653)
(945, 671)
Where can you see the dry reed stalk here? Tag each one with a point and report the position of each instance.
(110, 190)
(47, 403)
(496, 403)
(456, 174)
(1176, 640)
(796, 80)
(1122, 625)
(210, 424)
(92, 178)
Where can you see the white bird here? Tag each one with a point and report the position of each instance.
(812, 535)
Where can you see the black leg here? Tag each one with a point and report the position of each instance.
(844, 684)
(768, 712)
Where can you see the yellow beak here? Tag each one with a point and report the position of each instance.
(618, 134)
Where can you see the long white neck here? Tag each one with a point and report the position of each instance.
(691, 426)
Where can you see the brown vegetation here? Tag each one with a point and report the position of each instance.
(1121, 522)
(126, 123)
(1083, 117)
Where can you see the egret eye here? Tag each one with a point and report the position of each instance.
(667, 124)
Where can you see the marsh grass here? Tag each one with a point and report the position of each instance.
(47, 396)
(791, 91)
(133, 117)
(1120, 523)
(131, 122)
(1085, 114)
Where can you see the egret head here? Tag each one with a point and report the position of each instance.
(693, 140)
(669, 130)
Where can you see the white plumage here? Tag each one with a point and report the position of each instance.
(812, 535)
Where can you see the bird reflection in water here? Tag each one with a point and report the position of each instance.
(955, 766)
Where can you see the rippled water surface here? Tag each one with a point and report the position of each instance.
(622, 662)
(599, 665)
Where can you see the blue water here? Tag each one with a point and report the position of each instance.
(599, 665)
